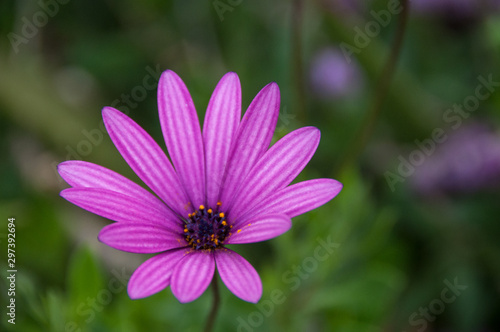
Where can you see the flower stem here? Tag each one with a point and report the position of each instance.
(381, 91)
(215, 306)
(297, 61)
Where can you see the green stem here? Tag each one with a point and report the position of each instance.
(297, 63)
(209, 326)
(382, 88)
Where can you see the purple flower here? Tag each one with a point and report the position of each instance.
(332, 76)
(458, 9)
(468, 161)
(225, 187)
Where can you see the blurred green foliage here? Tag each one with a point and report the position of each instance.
(395, 248)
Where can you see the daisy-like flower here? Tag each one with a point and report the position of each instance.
(226, 186)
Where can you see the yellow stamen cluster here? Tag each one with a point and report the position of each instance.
(206, 229)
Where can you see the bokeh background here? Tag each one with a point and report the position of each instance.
(415, 231)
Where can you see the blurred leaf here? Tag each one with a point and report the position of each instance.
(55, 307)
(84, 279)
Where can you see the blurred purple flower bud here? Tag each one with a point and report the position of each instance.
(332, 77)
(467, 162)
(456, 9)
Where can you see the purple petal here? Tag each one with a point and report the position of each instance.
(221, 121)
(154, 274)
(146, 158)
(251, 141)
(182, 133)
(298, 198)
(276, 169)
(140, 238)
(238, 275)
(82, 174)
(122, 208)
(192, 275)
(258, 229)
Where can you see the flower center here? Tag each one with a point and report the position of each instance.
(206, 228)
